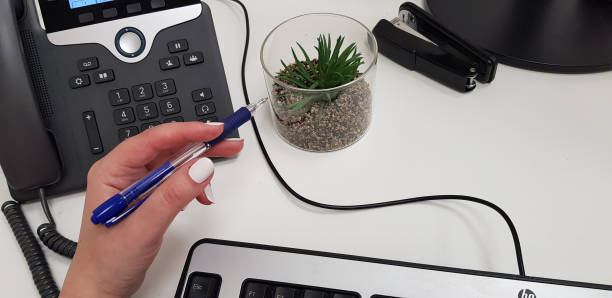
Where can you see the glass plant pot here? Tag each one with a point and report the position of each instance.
(319, 119)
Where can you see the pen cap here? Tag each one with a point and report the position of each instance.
(109, 209)
(232, 123)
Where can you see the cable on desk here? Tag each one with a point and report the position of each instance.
(31, 250)
(504, 215)
(49, 235)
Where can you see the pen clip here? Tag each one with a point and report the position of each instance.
(125, 213)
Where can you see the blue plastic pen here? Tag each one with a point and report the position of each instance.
(114, 210)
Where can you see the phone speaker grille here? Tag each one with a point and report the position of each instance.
(47, 109)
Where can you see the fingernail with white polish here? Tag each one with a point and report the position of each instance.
(201, 170)
(234, 139)
(209, 193)
(215, 123)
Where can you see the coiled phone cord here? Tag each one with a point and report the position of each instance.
(49, 235)
(31, 250)
(515, 237)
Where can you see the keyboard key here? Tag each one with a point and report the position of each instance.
(201, 286)
(254, 290)
(93, 134)
(284, 292)
(79, 81)
(313, 294)
(170, 106)
(204, 109)
(174, 119)
(86, 64)
(124, 116)
(104, 76)
(133, 8)
(127, 132)
(165, 87)
(142, 92)
(193, 58)
(177, 46)
(169, 63)
(210, 119)
(147, 111)
(201, 94)
(119, 97)
(149, 125)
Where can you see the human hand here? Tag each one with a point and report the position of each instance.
(112, 262)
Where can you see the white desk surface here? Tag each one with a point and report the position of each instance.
(537, 144)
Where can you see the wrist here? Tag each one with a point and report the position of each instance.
(81, 282)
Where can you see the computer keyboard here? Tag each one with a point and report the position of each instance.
(218, 268)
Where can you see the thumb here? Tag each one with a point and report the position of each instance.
(173, 195)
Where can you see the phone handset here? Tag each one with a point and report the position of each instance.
(27, 154)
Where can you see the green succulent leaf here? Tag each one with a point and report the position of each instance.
(334, 66)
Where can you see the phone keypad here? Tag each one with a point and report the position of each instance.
(174, 119)
(124, 116)
(146, 111)
(127, 132)
(154, 102)
(165, 87)
(142, 92)
(119, 97)
(170, 106)
(149, 125)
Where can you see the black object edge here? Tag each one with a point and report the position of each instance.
(486, 64)
(423, 57)
(381, 261)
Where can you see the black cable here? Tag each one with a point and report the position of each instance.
(48, 234)
(45, 205)
(41, 274)
(515, 237)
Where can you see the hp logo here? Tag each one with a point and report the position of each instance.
(526, 293)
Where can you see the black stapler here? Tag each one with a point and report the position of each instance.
(447, 59)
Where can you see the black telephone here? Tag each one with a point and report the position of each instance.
(80, 76)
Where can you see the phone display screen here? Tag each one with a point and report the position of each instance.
(80, 3)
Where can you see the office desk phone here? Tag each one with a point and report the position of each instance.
(80, 76)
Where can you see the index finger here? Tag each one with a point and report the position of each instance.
(141, 149)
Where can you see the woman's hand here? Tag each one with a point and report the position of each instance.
(112, 262)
